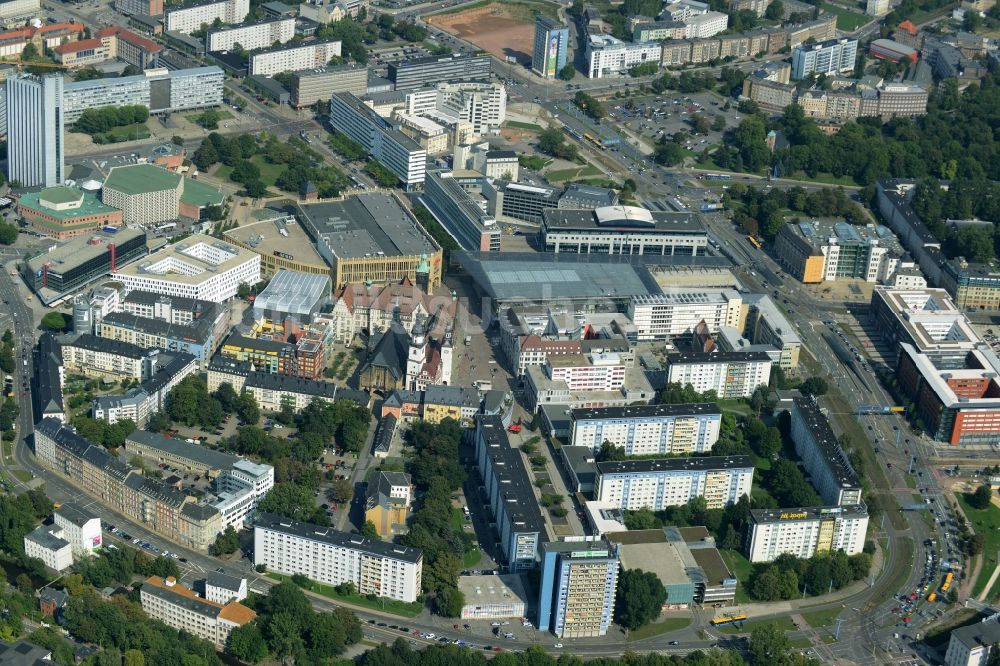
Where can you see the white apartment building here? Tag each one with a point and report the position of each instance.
(293, 58)
(972, 644)
(877, 8)
(47, 544)
(591, 372)
(327, 556)
(804, 532)
(684, 9)
(729, 374)
(199, 267)
(707, 24)
(81, 528)
(663, 316)
(483, 105)
(259, 35)
(176, 606)
(240, 489)
(829, 57)
(661, 482)
(648, 429)
(90, 355)
(222, 588)
(610, 56)
(189, 18)
(360, 123)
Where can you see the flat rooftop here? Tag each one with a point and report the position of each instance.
(190, 261)
(293, 292)
(927, 318)
(977, 367)
(266, 237)
(485, 590)
(78, 251)
(365, 225)
(659, 557)
(622, 218)
(807, 513)
(518, 491)
(182, 449)
(686, 358)
(141, 178)
(532, 277)
(820, 233)
(90, 206)
(646, 411)
(654, 465)
(826, 441)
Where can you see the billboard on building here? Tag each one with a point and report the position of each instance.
(553, 58)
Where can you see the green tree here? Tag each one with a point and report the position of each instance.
(369, 531)
(775, 11)
(768, 644)
(448, 601)
(567, 73)
(981, 498)
(247, 644)
(55, 321)
(639, 599)
(247, 409)
(814, 386)
(226, 543)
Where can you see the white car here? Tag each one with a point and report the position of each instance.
(557, 646)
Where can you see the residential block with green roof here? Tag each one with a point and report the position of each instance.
(65, 212)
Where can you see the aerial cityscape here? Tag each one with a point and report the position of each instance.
(536, 332)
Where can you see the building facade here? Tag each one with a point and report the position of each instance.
(432, 70)
(257, 35)
(331, 557)
(35, 128)
(188, 18)
(831, 472)
(577, 594)
(548, 56)
(623, 230)
(830, 57)
(176, 606)
(609, 56)
(269, 62)
(464, 220)
(664, 316)
(658, 483)
(648, 429)
(805, 532)
(729, 374)
(311, 86)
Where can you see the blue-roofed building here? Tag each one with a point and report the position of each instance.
(816, 251)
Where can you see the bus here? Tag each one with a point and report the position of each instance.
(717, 176)
(594, 140)
(946, 585)
(724, 620)
(753, 241)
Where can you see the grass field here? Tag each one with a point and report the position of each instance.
(659, 628)
(784, 624)
(268, 172)
(741, 568)
(823, 177)
(23, 475)
(385, 605)
(846, 19)
(560, 175)
(987, 523)
(822, 618)
(517, 124)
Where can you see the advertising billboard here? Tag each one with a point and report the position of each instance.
(553, 58)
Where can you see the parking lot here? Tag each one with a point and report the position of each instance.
(665, 115)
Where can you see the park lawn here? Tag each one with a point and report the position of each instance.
(822, 618)
(560, 175)
(800, 643)
(823, 177)
(23, 475)
(126, 133)
(390, 606)
(659, 628)
(531, 127)
(223, 115)
(987, 523)
(846, 19)
(740, 407)
(268, 172)
(783, 623)
(741, 568)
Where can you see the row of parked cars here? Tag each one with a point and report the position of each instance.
(145, 545)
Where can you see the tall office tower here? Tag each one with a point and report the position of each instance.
(549, 54)
(35, 130)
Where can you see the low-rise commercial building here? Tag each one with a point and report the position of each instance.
(282, 244)
(729, 374)
(832, 475)
(658, 483)
(66, 212)
(579, 582)
(623, 230)
(176, 606)
(493, 597)
(805, 532)
(67, 267)
(373, 238)
(609, 56)
(309, 55)
(887, 49)
(419, 72)
(199, 267)
(510, 494)
(648, 429)
(327, 556)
